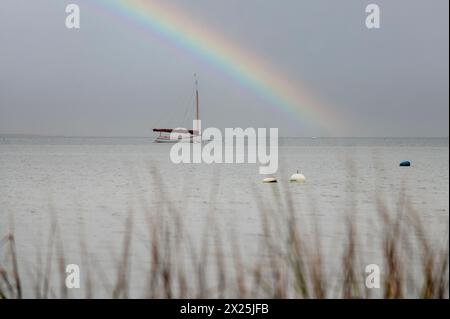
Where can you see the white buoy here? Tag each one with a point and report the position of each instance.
(298, 178)
(269, 180)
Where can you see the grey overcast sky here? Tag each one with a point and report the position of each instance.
(109, 79)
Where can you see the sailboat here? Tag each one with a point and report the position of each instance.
(184, 135)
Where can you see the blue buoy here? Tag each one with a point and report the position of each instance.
(405, 163)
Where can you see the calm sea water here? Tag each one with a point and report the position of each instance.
(91, 185)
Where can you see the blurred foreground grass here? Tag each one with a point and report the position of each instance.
(291, 264)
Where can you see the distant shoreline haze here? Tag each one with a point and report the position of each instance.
(151, 135)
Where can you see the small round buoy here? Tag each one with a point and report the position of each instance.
(269, 180)
(405, 163)
(298, 178)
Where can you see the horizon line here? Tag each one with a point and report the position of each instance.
(27, 135)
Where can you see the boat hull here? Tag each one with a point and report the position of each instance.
(168, 140)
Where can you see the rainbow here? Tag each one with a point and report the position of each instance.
(169, 23)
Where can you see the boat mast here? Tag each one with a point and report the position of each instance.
(197, 111)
